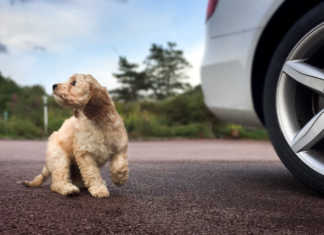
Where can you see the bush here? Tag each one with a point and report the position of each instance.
(184, 115)
(20, 128)
(240, 132)
(54, 124)
(187, 108)
(56, 117)
(194, 130)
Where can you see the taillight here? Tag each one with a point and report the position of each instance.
(211, 8)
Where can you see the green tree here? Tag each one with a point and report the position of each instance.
(132, 81)
(7, 88)
(166, 68)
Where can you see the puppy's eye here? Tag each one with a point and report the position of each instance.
(73, 83)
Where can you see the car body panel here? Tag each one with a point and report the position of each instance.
(233, 16)
(232, 36)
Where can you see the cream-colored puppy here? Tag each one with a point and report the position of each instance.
(86, 141)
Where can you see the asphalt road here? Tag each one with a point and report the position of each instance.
(175, 187)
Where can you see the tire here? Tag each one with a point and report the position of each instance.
(293, 162)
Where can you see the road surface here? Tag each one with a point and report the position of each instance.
(175, 187)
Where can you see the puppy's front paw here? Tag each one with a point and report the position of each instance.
(120, 176)
(99, 191)
(65, 189)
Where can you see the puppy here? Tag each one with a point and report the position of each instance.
(86, 141)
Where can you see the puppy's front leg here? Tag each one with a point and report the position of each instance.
(90, 173)
(61, 182)
(119, 169)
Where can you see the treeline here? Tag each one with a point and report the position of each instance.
(154, 100)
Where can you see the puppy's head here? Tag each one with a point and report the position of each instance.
(83, 92)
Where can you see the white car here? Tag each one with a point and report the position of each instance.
(263, 65)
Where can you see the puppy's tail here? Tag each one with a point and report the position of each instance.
(38, 180)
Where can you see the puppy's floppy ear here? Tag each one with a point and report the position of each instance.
(100, 104)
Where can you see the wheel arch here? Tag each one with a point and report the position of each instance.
(270, 38)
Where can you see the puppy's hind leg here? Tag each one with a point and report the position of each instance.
(39, 179)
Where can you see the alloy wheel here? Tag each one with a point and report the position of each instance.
(300, 99)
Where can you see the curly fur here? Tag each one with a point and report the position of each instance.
(86, 141)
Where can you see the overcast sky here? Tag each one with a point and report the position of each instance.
(46, 41)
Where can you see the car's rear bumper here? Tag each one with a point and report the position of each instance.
(226, 76)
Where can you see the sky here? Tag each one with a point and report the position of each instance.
(46, 41)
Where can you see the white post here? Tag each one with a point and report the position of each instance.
(45, 114)
(5, 118)
(5, 115)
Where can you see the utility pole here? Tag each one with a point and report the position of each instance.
(45, 113)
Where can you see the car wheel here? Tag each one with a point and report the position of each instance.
(294, 99)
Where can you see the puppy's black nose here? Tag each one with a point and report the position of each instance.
(54, 87)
